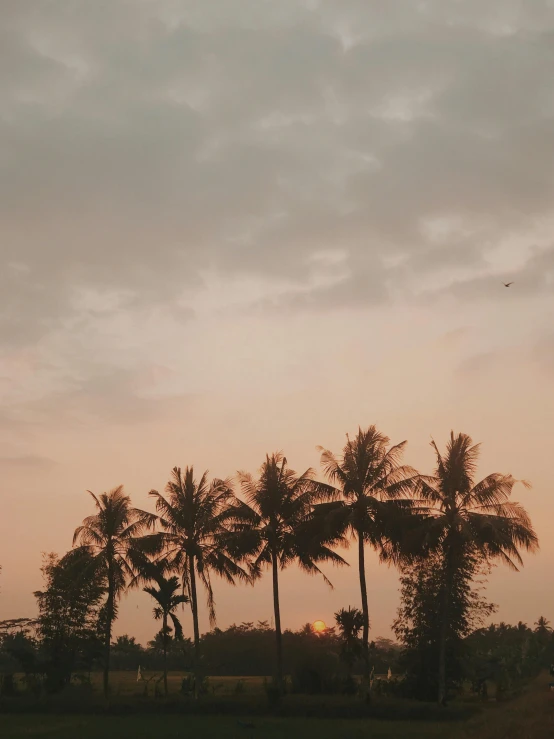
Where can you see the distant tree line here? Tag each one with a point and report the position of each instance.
(246, 650)
(443, 531)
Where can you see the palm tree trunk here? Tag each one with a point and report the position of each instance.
(365, 612)
(365, 609)
(277, 612)
(165, 652)
(443, 636)
(194, 607)
(108, 634)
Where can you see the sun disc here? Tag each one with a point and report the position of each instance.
(319, 626)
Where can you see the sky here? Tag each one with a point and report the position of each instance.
(231, 228)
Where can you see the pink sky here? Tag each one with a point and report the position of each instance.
(226, 233)
(410, 393)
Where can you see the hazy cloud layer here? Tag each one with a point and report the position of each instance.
(27, 462)
(146, 144)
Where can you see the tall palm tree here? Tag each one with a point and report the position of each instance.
(110, 538)
(272, 526)
(368, 500)
(167, 597)
(193, 539)
(470, 519)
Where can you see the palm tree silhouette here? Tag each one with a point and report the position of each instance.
(368, 500)
(470, 518)
(193, 539)
(167, 596)
(272, 527)
(350, 622)
(110, 537)
(542, 626)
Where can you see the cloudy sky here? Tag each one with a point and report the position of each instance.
(228, 228)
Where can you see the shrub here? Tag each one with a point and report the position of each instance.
(7, 685)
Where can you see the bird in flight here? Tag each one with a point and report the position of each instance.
(507, 284)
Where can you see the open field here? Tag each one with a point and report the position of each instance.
(125, 683)
(530, 716)
(173, 727)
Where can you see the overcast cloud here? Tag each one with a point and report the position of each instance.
(147, 143)
(216, 207)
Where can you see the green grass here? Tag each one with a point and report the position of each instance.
(130, 698)
(125, 683)
(530, 716)
(183, 727)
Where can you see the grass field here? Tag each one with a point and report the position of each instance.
(183, 727)
(530, 716)
(125, 683)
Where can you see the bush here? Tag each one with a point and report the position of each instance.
(187, 685)
(350, 686)
(273, 692)
(7, 686)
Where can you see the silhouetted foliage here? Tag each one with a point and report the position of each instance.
(368, 501)
(193, 540)
(126, 653)
(444, 532)
(506, 655)
(110, 538)
(19, 651)
(165, 592)
(69, 609)
(350, 622)
(419, 622)
(469, 522)
(270, 527)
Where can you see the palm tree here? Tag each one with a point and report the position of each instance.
(167, 596)
(368, 500)
(350, 622)
(110, 538)
(193, 539)
(542, 626)
(470, 519)
(272, 526)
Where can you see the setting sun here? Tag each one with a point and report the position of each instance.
(319, 626)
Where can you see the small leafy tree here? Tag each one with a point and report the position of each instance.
(127, 653)
(167, 596)
(19, 649)
(350, 622)
(418, 625)
(69, 607)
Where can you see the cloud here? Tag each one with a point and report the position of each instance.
(28, 462)
(181, 138)
(533, 279)
(543, 353)
(113, 396)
